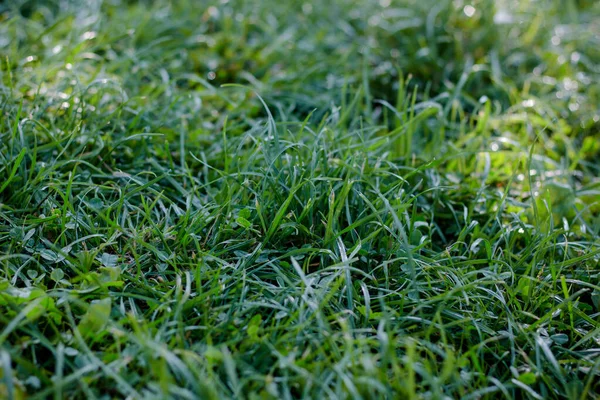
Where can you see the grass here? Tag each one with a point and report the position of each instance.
(346, 199)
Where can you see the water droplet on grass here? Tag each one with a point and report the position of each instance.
(88, 35)
(528, 103)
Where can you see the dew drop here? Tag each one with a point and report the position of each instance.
(469, 10)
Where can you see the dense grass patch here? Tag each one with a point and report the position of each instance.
(260, 199)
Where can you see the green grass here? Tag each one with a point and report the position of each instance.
(266, 199)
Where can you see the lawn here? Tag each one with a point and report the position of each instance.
(343, 199)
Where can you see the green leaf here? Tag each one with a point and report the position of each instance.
(528, 378)
(95, 318)
(96, 203)
(110, 276)
(243, 222)
(14, 169)
(213, 354)
(245, 213)
(57, 274)
(254, 326)
(50, 255)
(560, 338)
(45, 304)
(109, 260)
(596, 299)
(524, 286)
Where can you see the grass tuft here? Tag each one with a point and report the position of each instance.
(353, 199)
